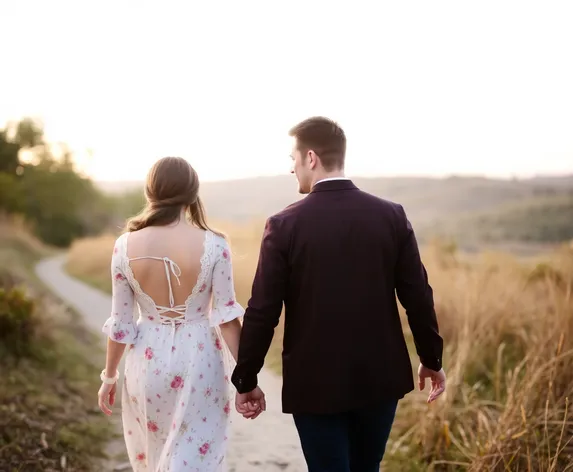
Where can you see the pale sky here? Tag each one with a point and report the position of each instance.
(420, 87)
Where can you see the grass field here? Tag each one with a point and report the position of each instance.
(49, 384)
(508, 330)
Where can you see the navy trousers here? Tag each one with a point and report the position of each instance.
(354, 441)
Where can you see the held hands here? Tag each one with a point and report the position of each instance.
(251, 404)
(438, 380)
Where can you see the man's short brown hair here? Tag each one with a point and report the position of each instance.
(324, 137)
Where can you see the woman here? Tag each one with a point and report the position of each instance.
(176, 395)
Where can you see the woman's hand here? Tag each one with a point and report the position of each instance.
(106, 397)
(251, 404)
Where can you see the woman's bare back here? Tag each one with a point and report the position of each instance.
(183, 244)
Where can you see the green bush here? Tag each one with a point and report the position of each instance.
(10, 193)
(17, 323)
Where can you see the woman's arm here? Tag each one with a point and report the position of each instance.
(226, 311)
(119, 327)
(107, 391)
(113, 357)
(231, 332)
(226, 314)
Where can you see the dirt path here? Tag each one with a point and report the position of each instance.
(269, 443)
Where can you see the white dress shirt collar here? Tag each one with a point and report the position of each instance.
(331, 178)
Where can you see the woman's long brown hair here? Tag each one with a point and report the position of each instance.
(172, 184)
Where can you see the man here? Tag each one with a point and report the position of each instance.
(337, 259)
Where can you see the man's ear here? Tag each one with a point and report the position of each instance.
(313, 162)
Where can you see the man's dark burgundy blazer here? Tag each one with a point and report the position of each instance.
(337, 259)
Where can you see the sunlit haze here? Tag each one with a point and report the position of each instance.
(424, 88)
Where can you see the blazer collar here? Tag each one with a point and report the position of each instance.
(338, 184)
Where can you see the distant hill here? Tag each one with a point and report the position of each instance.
(538, 219)
(455, 206)
(119, 187)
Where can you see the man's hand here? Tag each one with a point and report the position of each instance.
(251, 404)
(438, 381)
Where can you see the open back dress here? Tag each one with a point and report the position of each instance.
(176, 396)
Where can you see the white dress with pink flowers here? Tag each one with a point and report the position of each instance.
(176, 396)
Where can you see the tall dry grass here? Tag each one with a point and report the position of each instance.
(508, 330)
(89, 259)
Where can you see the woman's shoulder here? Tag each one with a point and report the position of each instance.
(120, 240)
(219, 244)
(120, 245)
(217, 238)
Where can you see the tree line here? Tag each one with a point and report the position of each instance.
(45, 189)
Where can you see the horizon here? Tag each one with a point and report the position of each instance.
(563, 175)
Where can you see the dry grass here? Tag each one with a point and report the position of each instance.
(89, 260)
(20, 250)
(15, 229)
(508, 330)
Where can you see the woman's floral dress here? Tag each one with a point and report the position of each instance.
(176, 397)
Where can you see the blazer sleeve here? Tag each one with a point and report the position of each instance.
(416, 296)
(264, 307)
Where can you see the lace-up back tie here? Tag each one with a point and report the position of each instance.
(171, 267)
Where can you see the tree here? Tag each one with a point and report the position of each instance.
(9, 152)
(60, 204)
(29, 133)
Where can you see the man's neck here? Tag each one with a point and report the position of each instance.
(327, 176)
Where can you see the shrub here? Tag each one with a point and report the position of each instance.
(17, 322)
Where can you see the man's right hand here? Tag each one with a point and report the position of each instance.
(438, 380)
